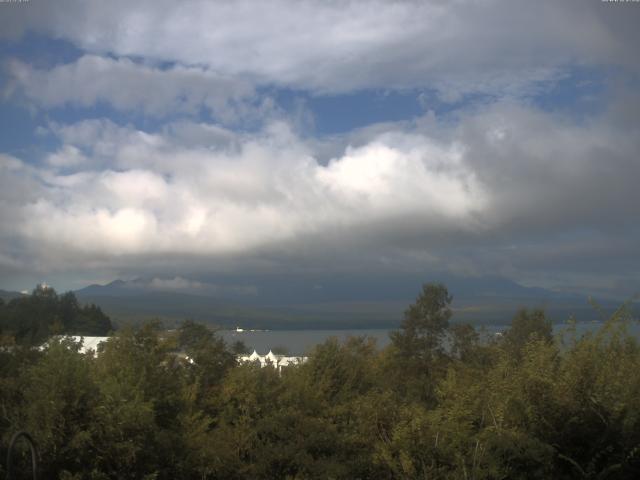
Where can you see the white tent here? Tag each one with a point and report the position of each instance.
(276, 361)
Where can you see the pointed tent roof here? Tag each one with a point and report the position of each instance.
(271, 357)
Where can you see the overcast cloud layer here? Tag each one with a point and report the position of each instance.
(165, 146)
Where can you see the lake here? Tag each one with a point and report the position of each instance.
(300, 342)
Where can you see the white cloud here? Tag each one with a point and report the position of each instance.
(175, 283)
(504, 176)
(456, 47)
(391, 178)
(68, 156)
(135, 187)
(76, 229)
(167, 198)
(181, 284)
(130, 86)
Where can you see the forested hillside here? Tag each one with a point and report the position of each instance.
(438, 403)
(31, 319)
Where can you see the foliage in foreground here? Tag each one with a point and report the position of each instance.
(437, 403)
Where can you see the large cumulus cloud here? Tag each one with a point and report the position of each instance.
(158, 196)
(506, 188)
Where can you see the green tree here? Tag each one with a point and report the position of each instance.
(33, 318)
(425, 323)
(418, 357)
(464, 342)
(59, 395)
(208, 353)
(140, 404)
(90, 320)
(525, 327)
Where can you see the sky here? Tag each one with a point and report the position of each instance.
(188, 141)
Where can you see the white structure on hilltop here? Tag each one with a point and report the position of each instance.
(86, 343)
(271, 359)
(89, 343)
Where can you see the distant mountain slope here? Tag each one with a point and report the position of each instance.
(324, 302)
(117, 288)
(7, 295)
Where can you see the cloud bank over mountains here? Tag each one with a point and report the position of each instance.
(165, 143)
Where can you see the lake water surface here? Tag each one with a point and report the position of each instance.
(300, 342)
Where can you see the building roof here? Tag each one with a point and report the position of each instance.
(272, 359)
(86, 342)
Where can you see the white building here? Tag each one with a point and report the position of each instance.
(86, 343)
(271, 359)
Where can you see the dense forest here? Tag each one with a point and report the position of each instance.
(32, 319)
(439, 403)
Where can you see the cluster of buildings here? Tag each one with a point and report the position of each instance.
(272, 360)
(87, 343)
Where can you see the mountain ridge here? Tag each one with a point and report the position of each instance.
(319, 302)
